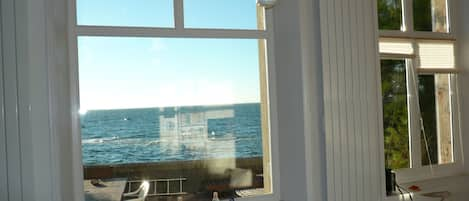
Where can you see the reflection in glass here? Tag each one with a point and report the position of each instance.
(223, 14)
(390, 14)
(395, 114)
(184, 115)
(131, 13)
(436, 113)
(430, 15)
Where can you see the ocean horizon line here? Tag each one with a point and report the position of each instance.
(155, 107)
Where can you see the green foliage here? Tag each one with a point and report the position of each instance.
(389, 14)
(428, 111)
(394, 90)
(423, 15)
(395, 115)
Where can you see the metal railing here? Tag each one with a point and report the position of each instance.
(154, 183)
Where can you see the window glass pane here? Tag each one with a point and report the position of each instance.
(222, 14)
(395, 114)
(153, 108)
(390, 14)
(437, 147)
(134, 13)
(430, 15)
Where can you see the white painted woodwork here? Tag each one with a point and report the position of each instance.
(3, 153)
(462, 47)
(11, 129)
(352, 100)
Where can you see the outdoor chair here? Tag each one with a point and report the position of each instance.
(140, 194)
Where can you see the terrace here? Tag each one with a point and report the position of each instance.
(168, 180)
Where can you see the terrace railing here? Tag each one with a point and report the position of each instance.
(160, 192)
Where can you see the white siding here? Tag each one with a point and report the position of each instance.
(25, 167)
(12, 138)
(351, 100)
(3, 157)
(462, 30)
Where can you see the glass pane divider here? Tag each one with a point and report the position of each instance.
(408, 15)
(169, 32)
(417, 35)
(455, 119)
(179, 14)
(414, 117)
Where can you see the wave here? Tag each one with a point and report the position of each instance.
(118, 140)
(99, 140)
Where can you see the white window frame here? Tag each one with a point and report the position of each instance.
(408, 25)
(178, 31)
(417, 172)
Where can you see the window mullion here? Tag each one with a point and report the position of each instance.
(449, 18)
(408, 15)
(179, 14)
(455, 116)
(168, 32)
(414, 118)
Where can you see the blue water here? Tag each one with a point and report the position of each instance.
(171, 134)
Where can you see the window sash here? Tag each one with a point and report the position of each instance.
(271, 165)
(408, 21)
(417, 171)
(264, 15)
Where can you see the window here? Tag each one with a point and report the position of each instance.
(239, 14)
(436, 137)
(144, 13)
(434, 98)
(390, 14)
(174, 98)
(395, 111)
(414, 15)
(419, 89)
(430, 15)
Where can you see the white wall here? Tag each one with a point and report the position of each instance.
(9, 79)
(461, 8)
(3, 154)
(352, 100)
(25, 83)
(299, 92)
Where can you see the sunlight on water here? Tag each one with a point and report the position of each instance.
(171, 134)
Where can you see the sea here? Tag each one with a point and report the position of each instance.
(130, 136)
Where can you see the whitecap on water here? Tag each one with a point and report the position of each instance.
(99, 140)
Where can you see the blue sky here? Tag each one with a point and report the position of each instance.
(125, 72)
